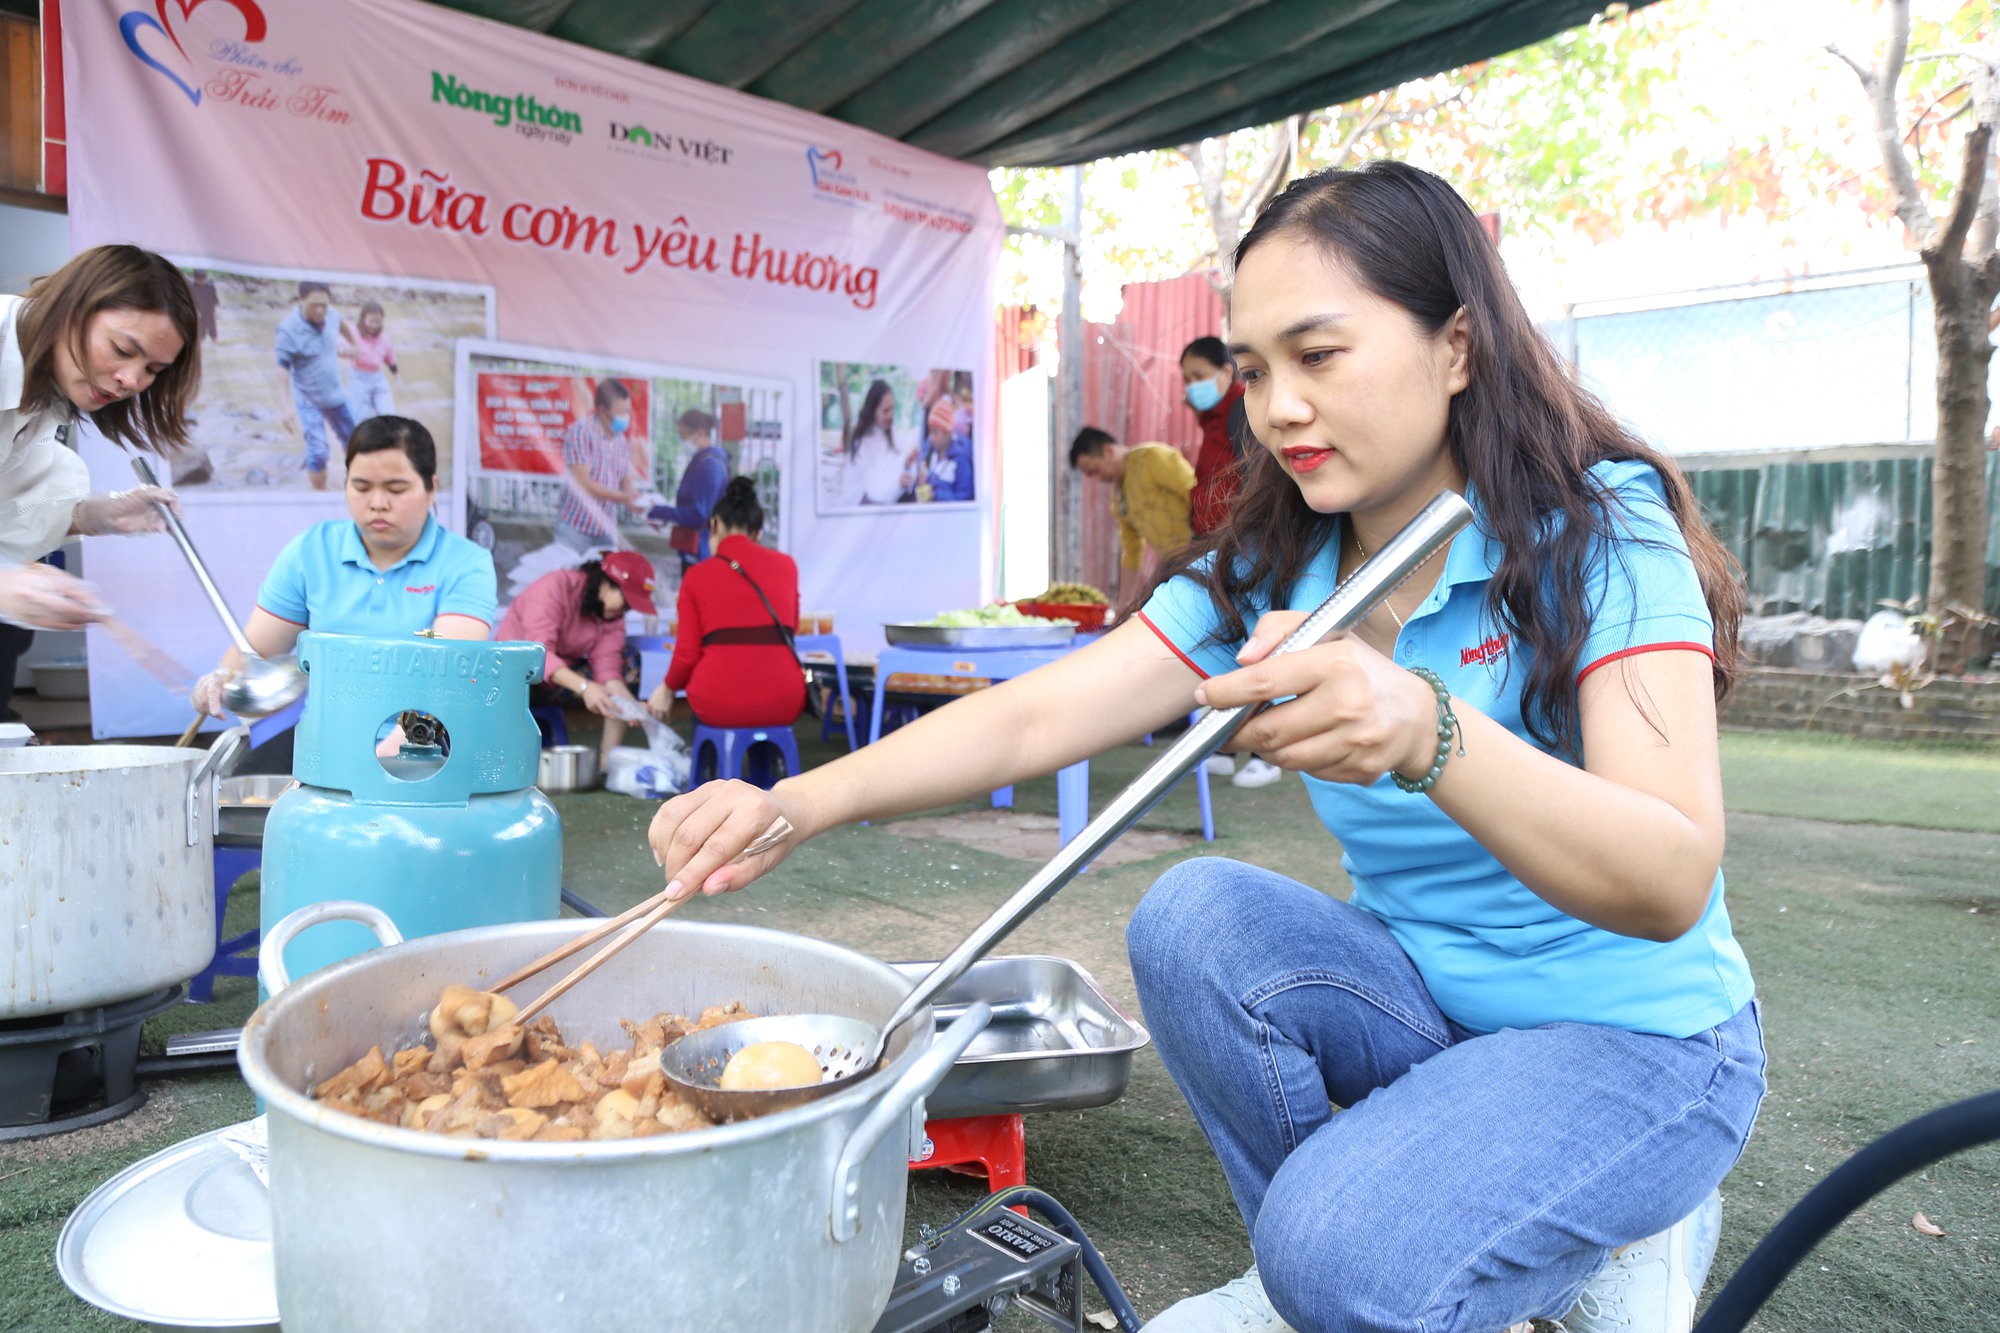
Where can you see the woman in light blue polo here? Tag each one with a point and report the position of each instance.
(1532, 1019)
(386, 571)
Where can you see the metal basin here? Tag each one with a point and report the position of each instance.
(1057, 1042)
(568, 768)
(789, 1222)
(243, 803)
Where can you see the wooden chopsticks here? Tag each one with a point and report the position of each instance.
(634, 921)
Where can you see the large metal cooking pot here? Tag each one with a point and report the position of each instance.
(789, 1222)
(106, 873)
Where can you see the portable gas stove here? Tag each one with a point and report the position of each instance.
(68, 1071)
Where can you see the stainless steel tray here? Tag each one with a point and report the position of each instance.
(1057, 1041)
(1053, 635)
(244, 802)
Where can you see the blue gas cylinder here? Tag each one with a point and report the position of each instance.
(417, 761)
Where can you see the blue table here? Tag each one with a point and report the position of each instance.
(1072, 783)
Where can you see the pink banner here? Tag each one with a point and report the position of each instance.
(476, 201)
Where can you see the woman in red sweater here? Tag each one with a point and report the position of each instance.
(738, 611)
(1212, 391)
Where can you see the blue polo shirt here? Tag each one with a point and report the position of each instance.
(312, 355)
(1493, 954)
(324, 580)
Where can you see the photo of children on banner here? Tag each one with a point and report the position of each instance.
(889, 436)
(294, 361)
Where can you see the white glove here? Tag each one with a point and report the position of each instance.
(43, 597)
(206, 696)
(123, 512)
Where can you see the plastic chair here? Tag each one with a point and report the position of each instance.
(993, 1146)
(830, 645)
(745, 752)
(554, 726)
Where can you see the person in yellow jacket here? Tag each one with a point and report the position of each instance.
(1153, 501)
(1152, 484)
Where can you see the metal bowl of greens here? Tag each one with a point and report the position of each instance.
(997, 626)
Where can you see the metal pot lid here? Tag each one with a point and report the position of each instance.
(181, 1239)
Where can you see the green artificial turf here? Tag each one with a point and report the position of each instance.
(1865, 885)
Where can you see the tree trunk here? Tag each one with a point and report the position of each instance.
(1958, 473)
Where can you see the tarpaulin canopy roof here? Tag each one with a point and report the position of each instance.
(1047, 82)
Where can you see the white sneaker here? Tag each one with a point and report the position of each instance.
(1650, 1285)
(1221, 765)
(1237, 1306)
(1257, 773)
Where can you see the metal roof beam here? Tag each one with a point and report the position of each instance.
(1508, 27)
(733, 43)
(1194, 64)
(868, 41)
(624, 27)
(993, 43)
(1106, 49)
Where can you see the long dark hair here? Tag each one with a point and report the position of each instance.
(870, 403)
(59, 309)
(1524, 433)
(594, 581)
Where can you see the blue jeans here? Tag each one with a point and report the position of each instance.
(1468, 1182)
(315, 419)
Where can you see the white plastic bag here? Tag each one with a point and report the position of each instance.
(658, 771)
(1887, 642)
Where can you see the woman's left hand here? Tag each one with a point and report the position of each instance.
(1350, 714)
(123, 512)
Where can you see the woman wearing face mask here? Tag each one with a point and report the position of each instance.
(1211, 389)
(387, 570)
(1503, 1078)
(112, 335)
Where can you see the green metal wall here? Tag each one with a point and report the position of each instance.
(1834, 538)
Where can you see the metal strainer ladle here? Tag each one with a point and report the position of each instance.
(850, 1048)
(265, 684)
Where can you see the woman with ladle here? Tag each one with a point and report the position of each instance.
(387, 570)
(1532, 1019)
(110, 336)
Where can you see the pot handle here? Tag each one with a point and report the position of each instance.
(222, 755)
(917, 1082)
(271, 972)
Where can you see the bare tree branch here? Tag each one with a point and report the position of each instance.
(1971, 182)
(1861, 71)
(1986, 226)
(1881, 89)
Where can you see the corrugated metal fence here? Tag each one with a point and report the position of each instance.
(1835, 538)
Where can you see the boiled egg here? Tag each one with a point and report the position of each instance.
(764, 1065)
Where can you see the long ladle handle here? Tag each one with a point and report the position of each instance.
(140, 466)
(1424, 536)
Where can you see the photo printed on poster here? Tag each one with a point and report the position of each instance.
(891, 435)
(294, 359)
(564, 457)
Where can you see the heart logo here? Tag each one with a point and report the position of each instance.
(253, 18)
(130, 26)
(815, 156)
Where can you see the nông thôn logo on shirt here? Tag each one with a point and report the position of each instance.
(1485, 652)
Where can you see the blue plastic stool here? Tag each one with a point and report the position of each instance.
(740, 752)
(237, 955)
(554, 727)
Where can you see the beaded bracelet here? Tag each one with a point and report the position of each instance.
(1447, 724)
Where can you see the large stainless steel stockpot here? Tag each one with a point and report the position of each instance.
(789, 1222)
(106, 873)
